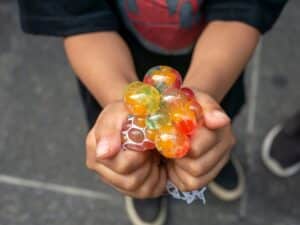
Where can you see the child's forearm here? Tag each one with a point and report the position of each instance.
(221, 53)
(102, 62)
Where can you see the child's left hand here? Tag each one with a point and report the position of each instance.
(211, 145)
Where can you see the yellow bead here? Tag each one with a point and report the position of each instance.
(141, 99)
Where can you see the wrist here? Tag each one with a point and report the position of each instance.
(113, 93)
(208, 82)
(106, 91)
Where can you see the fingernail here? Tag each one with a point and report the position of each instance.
(220, 115)
(102, 148)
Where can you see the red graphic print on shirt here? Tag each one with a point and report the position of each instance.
(165, 26)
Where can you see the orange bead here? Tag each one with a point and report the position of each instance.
(163, 77)
(150, 134)
(171, 143)
(139, 121)
(197, 109)
(183, 118)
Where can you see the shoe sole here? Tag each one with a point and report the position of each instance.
(234, 194)
(270, 163)
(136, 220)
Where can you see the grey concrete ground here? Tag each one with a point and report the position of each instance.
(43, 179)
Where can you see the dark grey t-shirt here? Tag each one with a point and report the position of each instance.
(157, 31)
(162, 26)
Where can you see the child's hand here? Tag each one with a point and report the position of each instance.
(210, 148)
(137, 174)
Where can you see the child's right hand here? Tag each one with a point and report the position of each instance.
(137, 174)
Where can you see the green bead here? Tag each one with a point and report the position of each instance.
(158, 119)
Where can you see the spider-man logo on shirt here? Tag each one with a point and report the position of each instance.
(164, 26)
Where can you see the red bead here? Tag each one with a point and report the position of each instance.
(188, 92)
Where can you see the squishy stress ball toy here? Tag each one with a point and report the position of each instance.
(162, 114)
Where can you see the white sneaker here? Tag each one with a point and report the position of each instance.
(146, 211)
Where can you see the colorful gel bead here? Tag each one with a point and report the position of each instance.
(179, 110)
(141, 99)
(197, 109)
(158, 119)
(194, 105)
(172, 97)
(188, 93)
(171, 143)
(163, 77)
(183, 118)
(151, 134)
(134, 135)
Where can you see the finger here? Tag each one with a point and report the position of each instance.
(150, 183)
(221, 133)
(202, 141)
(191, 183)
(173, 176)
(126, 162)
(107, 130)
(155, 181)
(214, 116)
(122, 191)
(129, 182)
(200, 166)
(90, 144)
(161, 186)
(216, 119)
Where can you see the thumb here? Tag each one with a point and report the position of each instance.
(215, 119)
(107, 131)
(108, 146)
(213, 114)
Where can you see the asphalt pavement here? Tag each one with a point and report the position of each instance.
(43, 179)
